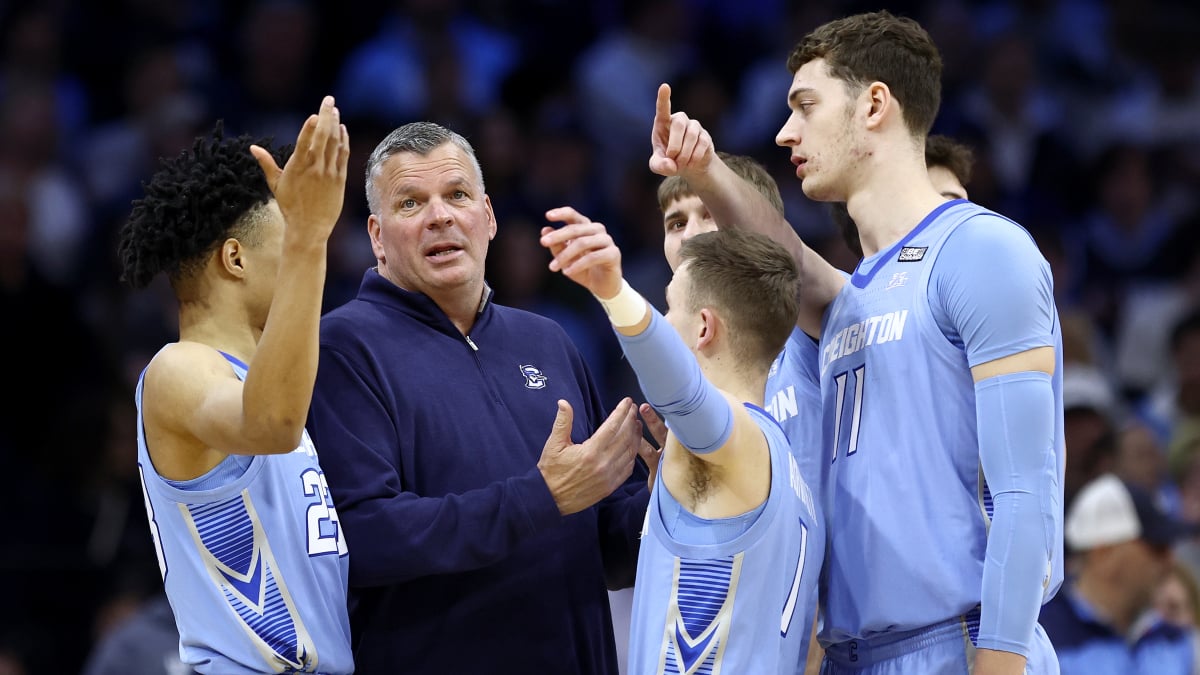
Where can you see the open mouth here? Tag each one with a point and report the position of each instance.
(442, 250)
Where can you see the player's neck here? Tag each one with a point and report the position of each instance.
(734, 379)
(232, 335)
(890, 203)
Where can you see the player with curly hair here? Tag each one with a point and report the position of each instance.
(248, 541)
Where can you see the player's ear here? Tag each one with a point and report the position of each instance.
(709, 326)
(231, 258)
(879, 103)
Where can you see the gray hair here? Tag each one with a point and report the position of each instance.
(421, 138)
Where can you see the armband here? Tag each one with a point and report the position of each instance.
(626, 308)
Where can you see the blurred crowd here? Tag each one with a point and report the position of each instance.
(1084, 116)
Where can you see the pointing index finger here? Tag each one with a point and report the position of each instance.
(662, 108)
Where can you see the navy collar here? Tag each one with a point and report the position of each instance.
(378, 289)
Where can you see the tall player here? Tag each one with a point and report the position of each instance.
(733, 543)
(940, 372)
(248, 542)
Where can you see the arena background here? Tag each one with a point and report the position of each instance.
(1084, 114)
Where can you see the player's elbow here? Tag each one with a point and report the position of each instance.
(277, 436)
(1032, 360)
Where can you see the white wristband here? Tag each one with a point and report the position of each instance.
(626, 308)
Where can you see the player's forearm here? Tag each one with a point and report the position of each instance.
(278, 386)
(670, 377)
(734, 202)
(1015, 416)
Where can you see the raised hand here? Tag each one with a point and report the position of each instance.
(311, 186)
(679, 145)
(581, 474)
(583, 251)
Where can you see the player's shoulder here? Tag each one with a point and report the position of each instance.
(185, 361)
(178, 379)
(988, 232)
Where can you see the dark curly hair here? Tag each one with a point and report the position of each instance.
(193, 203)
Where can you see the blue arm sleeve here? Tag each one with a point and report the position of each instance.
(1015, 417)
(992, 294)
(694, 410)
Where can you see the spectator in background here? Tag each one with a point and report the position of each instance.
(1149, 312)
(1130, 234)
(1014, 123)
(1089, 427)
(1177, 601)
(1141, 460)
(1183, 456)
(271, 88)
(651, 45)
(59, 219)
(162, 116)
(1101, 622)
(400, 73)
(1177, 398)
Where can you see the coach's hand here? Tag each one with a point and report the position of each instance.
(581, 474)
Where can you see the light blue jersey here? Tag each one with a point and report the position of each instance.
(904, 483)
(793, 397)
(255, 566)
(740, 606)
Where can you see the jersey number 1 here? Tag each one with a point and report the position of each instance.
(846, 427)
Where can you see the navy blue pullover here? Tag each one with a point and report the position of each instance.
(459, 559)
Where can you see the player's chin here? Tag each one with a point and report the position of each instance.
(812, 188)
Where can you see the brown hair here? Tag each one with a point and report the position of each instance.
(944, 151)
(673, 188)
(880, 47)
(752, 282)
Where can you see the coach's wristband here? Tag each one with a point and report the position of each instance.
(626, 308)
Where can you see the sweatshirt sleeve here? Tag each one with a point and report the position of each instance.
(394, 535)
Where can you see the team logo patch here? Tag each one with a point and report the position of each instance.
(534, 379)
(912, 253)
